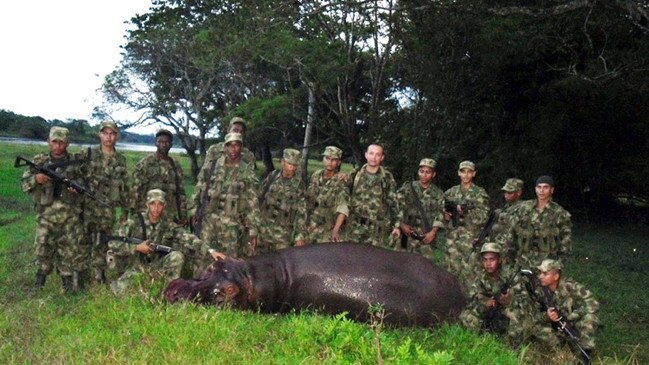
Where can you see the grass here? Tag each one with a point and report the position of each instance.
(97, 327)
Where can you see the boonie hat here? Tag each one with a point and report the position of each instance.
(428, 162)
(291, 156)
(512, 185)
(108, 124)
(233, 137)
(333, 151)
(59, 134)
(491, 247)
(155, 195)
(550, 264)
(467, 165)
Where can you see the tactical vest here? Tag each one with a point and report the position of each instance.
(278, 205)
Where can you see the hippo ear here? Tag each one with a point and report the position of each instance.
(230, 290)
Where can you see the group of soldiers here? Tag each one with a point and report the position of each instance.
(231, 213)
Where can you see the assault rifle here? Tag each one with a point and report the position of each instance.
(561, 325)
(493, 318)
(484, 232)
(135, 241)
(451, 207)
(58, 178)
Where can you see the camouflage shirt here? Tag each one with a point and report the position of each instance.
(534, 235)
(326, 199)
(218, 150)
(477, 202)
(166, 175)
(374, 197)
(431, 200)
(107, 177)
(283, 208)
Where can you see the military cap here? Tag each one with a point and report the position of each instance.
(550, 264)
(429, 162)
(236, 120)
(233, 137)
(291, 156)
(467, 165)
(108, 124)
(155, 195)
(164, 131)
(545, 179)
(512, 185)
(59, 134)
(491, 247)
(333, 151)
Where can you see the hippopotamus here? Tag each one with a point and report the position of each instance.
(332, 278)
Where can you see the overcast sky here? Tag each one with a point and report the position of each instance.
(55, 53)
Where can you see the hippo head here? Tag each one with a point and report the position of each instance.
(224, 282)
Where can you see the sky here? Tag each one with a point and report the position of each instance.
(54, 54)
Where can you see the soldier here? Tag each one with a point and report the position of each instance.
(422, 204)
(374, 205)
(539, 228)
(488, 308)
(59, 231)
(225, 202)
(513, 190)
(571, 308)
(466, 211)
(154, 227)
(107, 176)
(237, 125)
(160, 171)
(282, 204)
(328, 199)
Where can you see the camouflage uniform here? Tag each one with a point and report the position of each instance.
(164, 174)
(506, 321)
(107, 177)
(326, 199)
(374, 207)
(59, 231)
(186, 247)
(458, 258)
(232, 205)
(432, 201)
(218, 150)
(534, 235)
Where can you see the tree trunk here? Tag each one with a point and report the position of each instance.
(310, 118)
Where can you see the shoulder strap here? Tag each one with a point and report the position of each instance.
(420, 208)
(177, 192)
(142, 225)
(273, 177)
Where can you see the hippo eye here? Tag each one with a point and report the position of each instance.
(216, 291)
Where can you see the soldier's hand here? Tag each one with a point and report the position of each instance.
(300, 243)
(335, 235)
(41, 179)
(505, 299)
(553, 314)
(429, 238)
(406, 229)
(447, 216)
(143, 247)
(396, 233)
(217, 255)
(253, 243)
(342, 176)
(491, 303)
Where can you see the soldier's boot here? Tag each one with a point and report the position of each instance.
(77, 281)
(66, 282)
(100, 276)
(40, 279)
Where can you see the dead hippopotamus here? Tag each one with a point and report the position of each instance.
(332, 278)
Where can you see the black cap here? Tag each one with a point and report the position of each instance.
(545, 179)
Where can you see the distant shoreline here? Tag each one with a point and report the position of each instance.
(119, 146)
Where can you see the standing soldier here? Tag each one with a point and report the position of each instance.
(513, 190)
(374, 204)
(282, 204)
(466, 211)
(497, 300)
(225, 203)
(160, 171)
(153, 227)
(422, 204)
(328, 199)
(107, 176)
(237, 125)
(539, 229)
(59, 231)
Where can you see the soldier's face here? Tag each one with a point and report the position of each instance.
(237, 128)
(107, 137)
(233, 150)
(513, 196)
(466, 175)
(426, 174)
(58, 148)
(155, 210)
(549, 278)
(544, 191)
(374, 155)
(163, 142)
(288, 169)
(490, 262)
(330, 163)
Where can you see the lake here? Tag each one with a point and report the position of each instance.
(119, 146)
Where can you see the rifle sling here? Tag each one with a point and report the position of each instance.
(420, 208)
(177, 192)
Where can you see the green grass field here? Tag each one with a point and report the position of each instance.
(96, 327)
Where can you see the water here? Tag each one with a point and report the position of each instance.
(120, 146)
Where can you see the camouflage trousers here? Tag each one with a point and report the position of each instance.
(59, 243)
(585, 329)
(274, 237)
(376, 233)
(97, 223)
(457, 257)
(415, 246)
(226, 235)
(504, 322)
(319, 233)
(158, 272)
